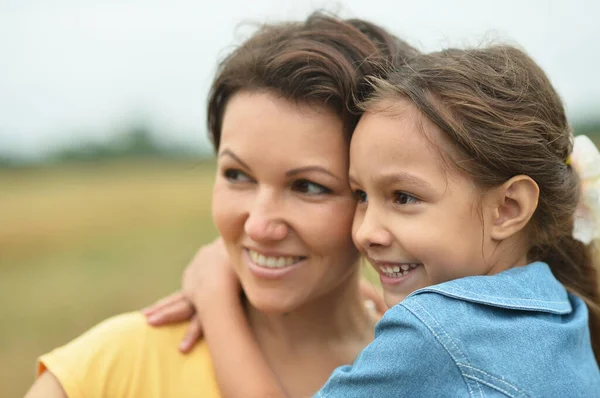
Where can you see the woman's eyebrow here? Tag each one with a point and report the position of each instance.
(228, 152)
(318, 169)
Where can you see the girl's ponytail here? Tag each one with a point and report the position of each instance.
(573, 264)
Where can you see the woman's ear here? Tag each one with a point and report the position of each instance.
(512, 205)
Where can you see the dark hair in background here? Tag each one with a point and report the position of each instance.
(505, 119)
(322, 60)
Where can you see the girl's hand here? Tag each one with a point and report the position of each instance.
(173, 309)
(210, 279)
(207, 277)
(372, 297)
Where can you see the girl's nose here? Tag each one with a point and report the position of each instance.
(369, 232)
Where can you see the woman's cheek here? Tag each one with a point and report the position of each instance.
(337, 225)
(224, 211)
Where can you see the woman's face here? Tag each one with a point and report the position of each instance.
(282, 201)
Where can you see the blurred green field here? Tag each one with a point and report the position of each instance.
(79, 243)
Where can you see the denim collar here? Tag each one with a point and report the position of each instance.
(528, 288)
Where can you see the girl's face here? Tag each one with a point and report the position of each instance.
(417, 220)
(282, 201)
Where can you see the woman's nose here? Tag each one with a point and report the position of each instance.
(265, 222)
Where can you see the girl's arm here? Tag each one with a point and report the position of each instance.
(240, 367)
(178, 308)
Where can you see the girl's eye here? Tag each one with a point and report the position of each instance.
(234, 175)
(402, 198)
(310, 188)
(360, 196)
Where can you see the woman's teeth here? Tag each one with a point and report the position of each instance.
(272, 262)
(396, 271)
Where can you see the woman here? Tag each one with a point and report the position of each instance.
(280, 113)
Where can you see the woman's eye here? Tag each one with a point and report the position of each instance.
(235, 175)
(360, 196)
(402, 198)
(310, 188)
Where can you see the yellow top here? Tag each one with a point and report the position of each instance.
(124, 357)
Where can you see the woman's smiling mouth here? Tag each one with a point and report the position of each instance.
(273, 261)
(272, 266)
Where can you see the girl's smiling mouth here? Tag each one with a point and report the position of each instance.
(393, 272)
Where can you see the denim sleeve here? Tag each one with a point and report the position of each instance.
(405, 359)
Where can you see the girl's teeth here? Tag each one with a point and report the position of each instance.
(272, 262)
(397, 271)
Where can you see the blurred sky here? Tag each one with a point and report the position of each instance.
(77, 70)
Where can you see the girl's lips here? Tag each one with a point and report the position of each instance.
(394, 273)
(275, 271)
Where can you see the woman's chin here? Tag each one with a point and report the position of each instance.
(272, 302)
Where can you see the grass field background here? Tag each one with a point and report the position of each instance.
(81, 242)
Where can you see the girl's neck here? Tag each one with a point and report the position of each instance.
(510, 253)
(338, 316)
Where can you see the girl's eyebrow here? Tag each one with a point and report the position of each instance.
(390, 179)
(404, 177)
(229, 152)
(318, 169)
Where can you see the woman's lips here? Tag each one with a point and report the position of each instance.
(272, 266)
(272, 261)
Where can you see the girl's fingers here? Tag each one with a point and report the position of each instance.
(192, 335)
(169, 300)
(177, 311)
(374, 297)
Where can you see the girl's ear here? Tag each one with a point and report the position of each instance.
(512, 205)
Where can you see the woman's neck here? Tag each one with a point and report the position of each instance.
(339, 316)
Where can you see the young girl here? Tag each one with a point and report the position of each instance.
(467, 197)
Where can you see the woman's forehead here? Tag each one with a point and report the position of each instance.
(264, 119)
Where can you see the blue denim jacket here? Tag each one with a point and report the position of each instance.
(514, 334)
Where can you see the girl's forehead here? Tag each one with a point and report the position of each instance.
(398, 122)
(399, 135)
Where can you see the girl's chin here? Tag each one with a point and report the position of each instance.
(393, 298)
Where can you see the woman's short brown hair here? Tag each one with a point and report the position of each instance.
(323, 60)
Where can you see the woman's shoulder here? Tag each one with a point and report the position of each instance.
(121, 354)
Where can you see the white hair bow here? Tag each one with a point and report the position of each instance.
(585, 159)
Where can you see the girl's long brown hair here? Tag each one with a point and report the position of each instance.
(506, 119)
